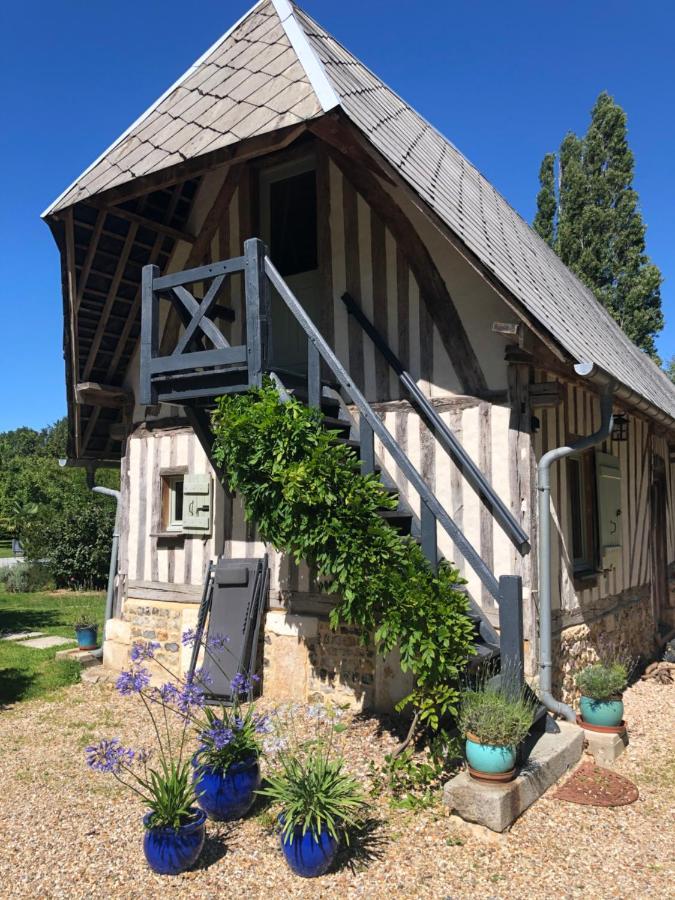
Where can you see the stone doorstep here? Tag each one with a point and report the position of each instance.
(85, 658)
(497, 806)
(605, 748)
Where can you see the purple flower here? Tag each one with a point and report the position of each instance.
(110, 756)
(218, 735)
(240, 684)
(218, 641)
(191, 696)
(203, 677)
(133, 681)
(262, 724)
(141, 651)
(166, 694)
(189, 637)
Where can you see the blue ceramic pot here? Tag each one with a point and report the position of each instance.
(86, 637)
(308, 856)
(489, 758)
(170, 851)
(230, 794)
(607, 713)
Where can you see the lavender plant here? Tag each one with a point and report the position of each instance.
(310, 784)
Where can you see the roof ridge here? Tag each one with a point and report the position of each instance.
(314, 69)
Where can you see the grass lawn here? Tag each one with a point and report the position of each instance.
(26, 673)
(5, 551)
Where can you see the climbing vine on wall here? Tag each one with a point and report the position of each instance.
(306, 494)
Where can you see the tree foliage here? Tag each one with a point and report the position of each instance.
(51, 509)
(594, 223)
(308, 498)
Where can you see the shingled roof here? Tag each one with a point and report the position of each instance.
(277, 67)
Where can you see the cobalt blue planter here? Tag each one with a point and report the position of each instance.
(489, 758)
(86, 637)
(170, 851)
(307, 856)
(227, 795)
(607, 713)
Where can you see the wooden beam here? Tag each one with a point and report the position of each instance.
(176, 233)
(72, 321)
(432, 286)
(89, 258)
(91, 393)
(388, 171)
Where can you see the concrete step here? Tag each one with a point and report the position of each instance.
(497, 806)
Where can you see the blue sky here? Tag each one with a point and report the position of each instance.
(503, 81)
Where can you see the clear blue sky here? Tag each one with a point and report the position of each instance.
(503, 81)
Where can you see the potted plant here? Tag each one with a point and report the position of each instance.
(602, 685)
(174, 824)
(494, 721)
(318, 801)
(86, 633)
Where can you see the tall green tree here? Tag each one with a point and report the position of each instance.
(594, 222)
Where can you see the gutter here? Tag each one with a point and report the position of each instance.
(585, 370)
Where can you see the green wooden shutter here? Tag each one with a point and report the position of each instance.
(197, 504)
(608, 475)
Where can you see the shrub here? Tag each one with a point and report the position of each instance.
(602, 681)
(25, 577)
(497, 716)
(306, 494)
(75, 541)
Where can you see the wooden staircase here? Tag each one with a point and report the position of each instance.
(204, 366)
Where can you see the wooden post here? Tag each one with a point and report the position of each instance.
(428, 534)
(149, 334)
(257, 310)
(511, 631)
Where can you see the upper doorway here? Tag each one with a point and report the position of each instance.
(288, 224)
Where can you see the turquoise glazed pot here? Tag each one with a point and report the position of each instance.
(608, 713)
(489, 758)
(86, 637)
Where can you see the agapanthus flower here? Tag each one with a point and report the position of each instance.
(141, 651)
(261, 724)
(274, 745)
(217, 736)
(189, 697)
(188, 637)
(133, 681)
(203, 676)
(166, 693)
(240, 684)
(109, 756)
(218, 641)
(238, 723)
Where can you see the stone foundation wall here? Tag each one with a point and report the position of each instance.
(628, 629)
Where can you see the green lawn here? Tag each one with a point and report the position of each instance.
(5, 549)
(26, 673)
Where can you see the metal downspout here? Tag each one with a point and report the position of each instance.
(544, 487)
(114, 551)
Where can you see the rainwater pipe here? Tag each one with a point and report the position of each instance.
(586, 370)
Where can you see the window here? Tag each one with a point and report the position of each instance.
(583, 515)
(293, 224)
(172, 502)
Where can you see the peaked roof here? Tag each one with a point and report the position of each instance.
(277, 67)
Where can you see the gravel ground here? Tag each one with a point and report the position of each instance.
(67, 832)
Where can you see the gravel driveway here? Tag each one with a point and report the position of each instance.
(67, 832)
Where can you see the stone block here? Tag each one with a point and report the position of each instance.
(115, 655)
(84, 657)
(288, 625)
(286, 666)
(497, 806)
(117, 630)
(605, 748)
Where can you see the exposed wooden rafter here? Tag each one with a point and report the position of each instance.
(91, 393)
(176, 233)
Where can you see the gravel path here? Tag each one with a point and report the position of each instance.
(67, 832)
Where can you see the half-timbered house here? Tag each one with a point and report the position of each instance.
(465, 348)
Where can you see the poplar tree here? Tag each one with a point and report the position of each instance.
(596, 226)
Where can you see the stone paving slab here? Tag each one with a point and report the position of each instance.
(21, 635)
(44, 643)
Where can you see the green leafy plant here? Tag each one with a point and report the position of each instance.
(171, 796)
(306, 494)
(310, 784)
(602, 681)
(413, 779)
(497, 716)
(84, 622)
(26, 577)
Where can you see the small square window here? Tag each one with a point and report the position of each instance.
(172, 502)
